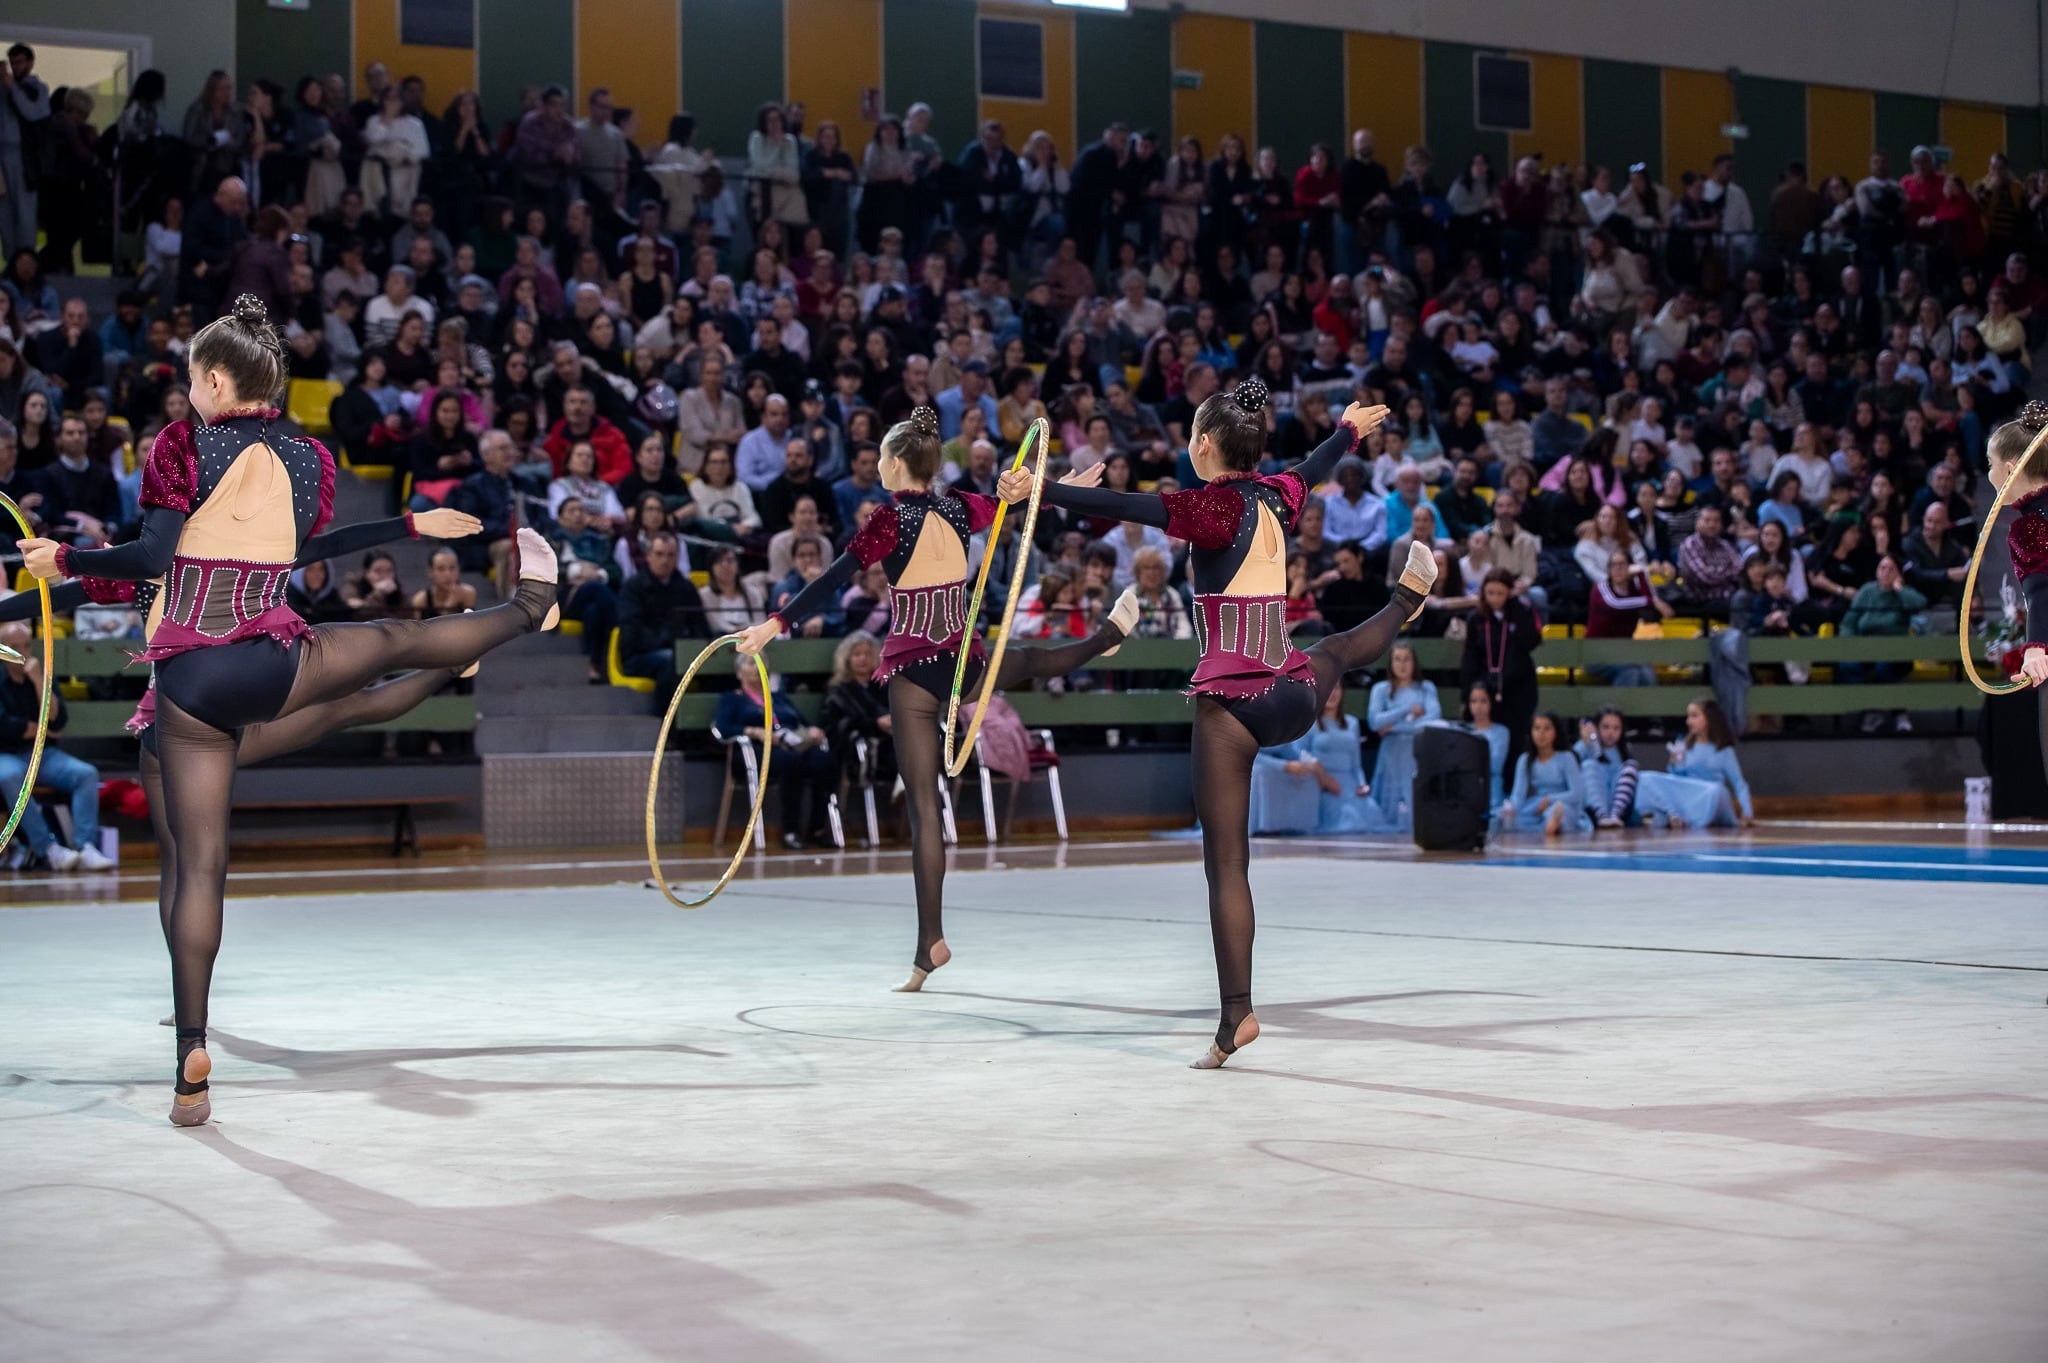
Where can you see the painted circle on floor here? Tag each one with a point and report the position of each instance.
(68, 1227)
(901, 1026)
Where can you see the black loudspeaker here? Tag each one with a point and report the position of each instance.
(1452, 787)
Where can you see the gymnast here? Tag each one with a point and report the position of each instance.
(386, 700)
(1253, 687)
(921, 539)
(2026, 541)
(227, 508)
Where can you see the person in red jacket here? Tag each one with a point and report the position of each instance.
(1318, 194)
(580, 421)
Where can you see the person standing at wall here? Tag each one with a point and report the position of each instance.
(24, 110)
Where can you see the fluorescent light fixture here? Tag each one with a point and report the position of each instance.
(1120, 6)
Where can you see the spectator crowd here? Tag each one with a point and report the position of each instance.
(1614, 399)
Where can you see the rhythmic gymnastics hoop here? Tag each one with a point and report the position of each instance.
(1040, 431)
(8, 655)
(760, 786)
(2004, 499)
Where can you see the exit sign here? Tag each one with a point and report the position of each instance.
(291, 4)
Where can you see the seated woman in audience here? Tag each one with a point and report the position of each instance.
(806, 522)
(1608, 533)
(731, 603)
(315, 593)
(807, 562)
(1397, 709)
(1479, 719)
(1652, 529)
(1837, 569)
(856, 710)
(375, 593)
(1774, 546)
(1784, 507)
(1420, 441)
(443, 453)
(1693, 790)
(1610, 773)
(649, 516)
(717, 494)
(803, 763)
(1448, 590)
(1020, 405)
(579, 480)
(1623, 598)
(1304, 612)
(1549, 790)
(445, 593)
(1507, 435)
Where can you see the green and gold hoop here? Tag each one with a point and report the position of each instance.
(1040, 433)
(760, 787)
(8, 655)
(2006, 496)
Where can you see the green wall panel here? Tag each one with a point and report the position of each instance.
(1123, 70)
(1298, 77)
(1903, 122)
(928, 55)
(1775, 111)
(522, 43)
(283, 45)
(1624, 117)
(1449, 114)
(2026, 138)
(732, 64)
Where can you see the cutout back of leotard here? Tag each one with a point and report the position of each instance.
(248, 514)
(938, 557)
(1264, 570)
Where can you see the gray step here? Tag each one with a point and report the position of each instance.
(506, 671)
(568, 733)
(547, 700)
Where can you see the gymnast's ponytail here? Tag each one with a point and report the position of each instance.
(244, 346)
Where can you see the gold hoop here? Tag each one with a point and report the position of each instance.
(760, 786)
(35, 754)
(956, 762)
(2004, 499)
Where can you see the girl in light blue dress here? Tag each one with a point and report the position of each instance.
(1346, 804)
(1610, 773)
(1396, 709)
(1286, 794)
(1479, 719)
(1550, 792)
(1693, 792)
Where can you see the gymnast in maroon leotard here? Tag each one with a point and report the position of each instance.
(921, 539)
(2026, 541)
(1253, 687)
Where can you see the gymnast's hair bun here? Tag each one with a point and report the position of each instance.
(249, 308)
(2034, 416)
(925, 421)
(1250, 395)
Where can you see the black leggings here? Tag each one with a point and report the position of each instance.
(1228, 735)
(210, 700)
(917, 706)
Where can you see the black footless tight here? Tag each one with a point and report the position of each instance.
(917, 705)
(1228, 735)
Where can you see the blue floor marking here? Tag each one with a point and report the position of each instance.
(1853, 861)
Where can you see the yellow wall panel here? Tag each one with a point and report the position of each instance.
(1054, 113)
(1383, 91)
(834, 50)
(1221, 49)
(1557, 111)
(1972, 132)
(444, 69)
(1841, 132)
(1696, 104)
(635, 49)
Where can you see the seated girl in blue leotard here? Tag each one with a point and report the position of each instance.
(1550, 791)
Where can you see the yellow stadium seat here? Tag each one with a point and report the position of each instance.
(1583, 419)
(307, 401)
(1556, 676)
(72, 689)
(571, 629)
(24, 580)
(1681, 627)
(644, 685)
(700, 578)
(1485, 494)
(1132, 373)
